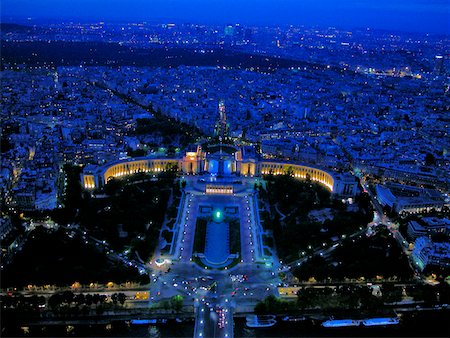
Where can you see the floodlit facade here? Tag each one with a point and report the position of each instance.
(220, 160)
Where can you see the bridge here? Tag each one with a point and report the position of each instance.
(213, 318)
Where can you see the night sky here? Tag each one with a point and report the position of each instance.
(431, 16)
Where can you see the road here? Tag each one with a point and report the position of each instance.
(323, 252)
(385, 220)
(213, 318)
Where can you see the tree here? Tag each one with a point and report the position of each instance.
(88, 299)
(79, 299)
(165, 304)
(391, 293)
(261, 308)
(289, 171)
(55, 300)
(121, 297)
(114, 298)
(176, 303)
(136, 153)
(113, 187)
(426, 293)
(68, 297)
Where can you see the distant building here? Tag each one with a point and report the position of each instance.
(25, 198)
(46, 199)
(411, 174)
(428, 226)
(428, 253)
(345, 185)
(32, 195)
(228, 30)
(439, 66)
(5, 227)
(409, 199)
(221, 128)
(94, 144)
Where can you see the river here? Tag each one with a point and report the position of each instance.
(420, 324)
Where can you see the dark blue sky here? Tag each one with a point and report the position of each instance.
(409, 15)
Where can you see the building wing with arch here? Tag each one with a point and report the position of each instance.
(219, 160)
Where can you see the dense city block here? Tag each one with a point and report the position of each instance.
(195, 175)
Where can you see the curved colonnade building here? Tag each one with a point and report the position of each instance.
(242, 161)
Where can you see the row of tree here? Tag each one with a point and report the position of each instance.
(173, 304)
(352, 297)
(68, 303)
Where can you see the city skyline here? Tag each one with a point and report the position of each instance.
(413, 15)
(221, 169)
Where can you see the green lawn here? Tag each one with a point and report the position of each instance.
(200, 235)
(235, 236)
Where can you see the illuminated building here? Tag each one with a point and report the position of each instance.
(221, 128)
(219, 189)
(193, 162)
(409, 199)
(219, 161)
(439, 65)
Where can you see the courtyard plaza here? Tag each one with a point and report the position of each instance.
(244, 197)
(180, 274)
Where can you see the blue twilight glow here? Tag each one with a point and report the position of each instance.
(410, 15)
